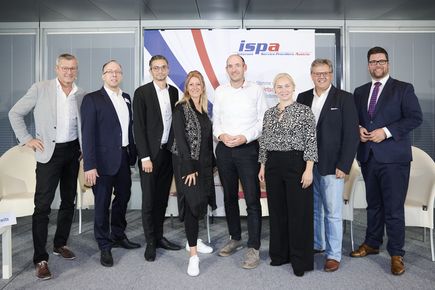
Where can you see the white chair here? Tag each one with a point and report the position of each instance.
(85, 197)
(17, 191)
(353, 184)
(419, 203)
(17, 181)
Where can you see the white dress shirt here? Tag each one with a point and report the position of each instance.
(165, 109)
(318, 102)
(383, 81)
(121, 109)
(239, 111)
(66, 115)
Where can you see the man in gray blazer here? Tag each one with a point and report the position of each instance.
(56, 109)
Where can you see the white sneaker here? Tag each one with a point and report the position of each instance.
(201, 247)
(193, 268)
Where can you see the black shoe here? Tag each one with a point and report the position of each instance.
(278, 263)
(106, 258)
(167, 245)
(298, 273)
(126, 244)
(150, 252)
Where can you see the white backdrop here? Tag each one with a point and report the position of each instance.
(266, 53)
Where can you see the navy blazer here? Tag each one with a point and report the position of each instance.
(148, 125)
(102, 135)
(337, 130)
(397, 109)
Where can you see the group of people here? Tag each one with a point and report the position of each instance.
(302, 148)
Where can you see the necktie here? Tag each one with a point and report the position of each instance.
(373, 98)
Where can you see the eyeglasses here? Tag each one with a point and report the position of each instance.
(321, 74)
(67, 69)
(159, 68)
(113, 72)
(376, 62)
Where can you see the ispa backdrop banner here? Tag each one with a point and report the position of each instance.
(266, 52)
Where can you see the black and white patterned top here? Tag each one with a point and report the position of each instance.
(295, 129)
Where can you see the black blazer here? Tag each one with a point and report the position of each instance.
(397, 109)
(337, 130)
(102, 135)
(148, 123)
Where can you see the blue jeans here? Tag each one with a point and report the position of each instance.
(328, 222)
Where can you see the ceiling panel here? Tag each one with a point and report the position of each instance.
(107, 10)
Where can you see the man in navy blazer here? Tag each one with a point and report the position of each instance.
(153, 105)
(108, 153)
(388, 111)
(337, 141)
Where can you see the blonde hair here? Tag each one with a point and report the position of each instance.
(281, 76)
(203, 98)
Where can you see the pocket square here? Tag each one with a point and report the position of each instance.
(127, 100)
(334, 109)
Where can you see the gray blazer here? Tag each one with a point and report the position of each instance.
(41, 98)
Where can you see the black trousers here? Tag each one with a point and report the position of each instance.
(191, 226)
(120, 185)
(386, 188)
(63, 167)
(290, 210)
(241, 163)
(155, 193)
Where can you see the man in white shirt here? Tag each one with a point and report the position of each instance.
(55, 105)
(153, 105)
(108, 153)
(238, 112)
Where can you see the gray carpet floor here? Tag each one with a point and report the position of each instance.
(131, 271)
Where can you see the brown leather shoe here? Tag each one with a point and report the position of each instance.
(363, 251)
(331, 265)
(65, 252)
(397, 265)
(42, 271)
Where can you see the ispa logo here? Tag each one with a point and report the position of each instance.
(258, 47)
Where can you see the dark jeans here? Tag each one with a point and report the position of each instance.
(155, 193)
(63, 167)
(191, 225)
(241, 163)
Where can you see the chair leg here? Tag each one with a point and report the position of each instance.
(80, 221)
(208, 224)
(7, 252)
(351, 236)
(431, 245)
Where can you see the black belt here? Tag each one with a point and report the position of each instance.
(67, 144)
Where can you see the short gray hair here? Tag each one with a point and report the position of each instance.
(66, 56)
(322, 61)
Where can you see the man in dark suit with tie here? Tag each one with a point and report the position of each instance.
(388, 111)
(108, 153)
(337, 141)
(153, 105)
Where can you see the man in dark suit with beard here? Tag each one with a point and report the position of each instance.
(153, 105)
(388, 111)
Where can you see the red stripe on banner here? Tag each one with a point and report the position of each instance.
(200, 47)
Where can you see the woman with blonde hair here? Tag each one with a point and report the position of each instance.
(193, 162)
(288, 150)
